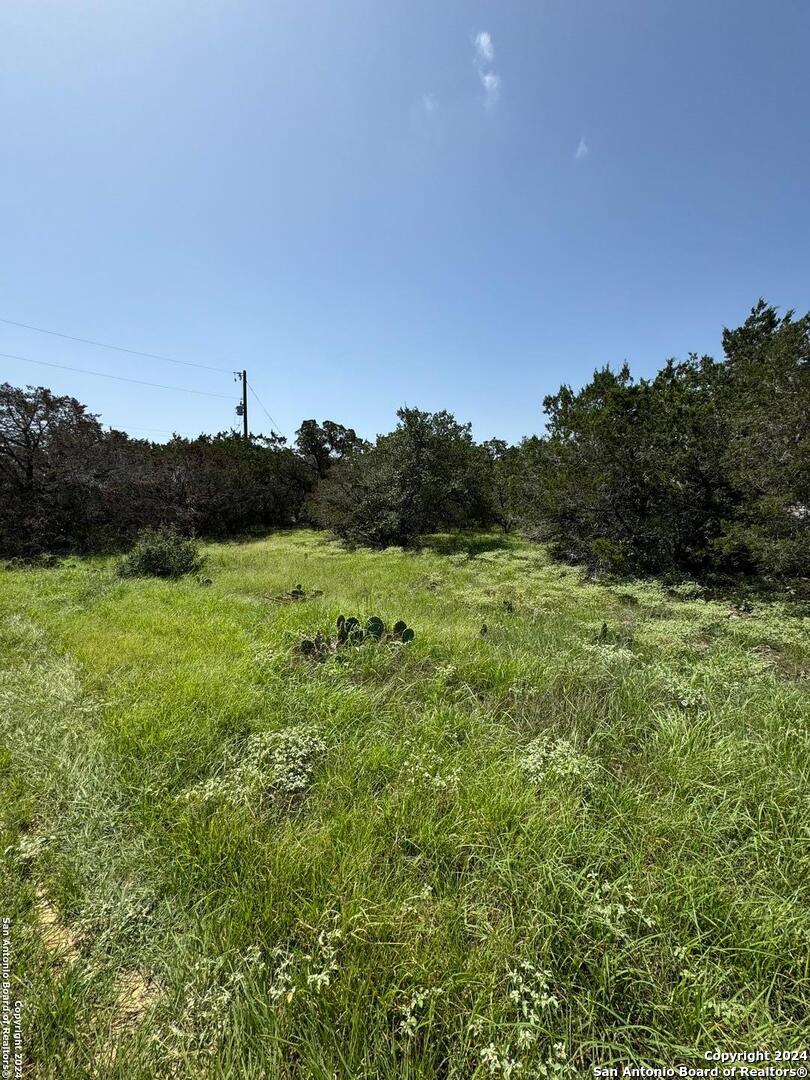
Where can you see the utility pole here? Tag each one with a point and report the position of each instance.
(242, 408)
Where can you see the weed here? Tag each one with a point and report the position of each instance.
(267, 769)
(162, 552)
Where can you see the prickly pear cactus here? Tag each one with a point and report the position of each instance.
(315, 648)
(307, 647)
(350, 632)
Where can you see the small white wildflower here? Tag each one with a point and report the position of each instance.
(423, 766)
(546, 759)
(617, 907)
(526, 1038)
(268, 768)
(325, 957)
(499, 1062)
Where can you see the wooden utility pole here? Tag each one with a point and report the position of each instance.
(242, 407)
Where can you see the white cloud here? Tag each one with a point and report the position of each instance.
(484, 47)
(582, 150)
(492, 87)
(484, 55)
(429, 103)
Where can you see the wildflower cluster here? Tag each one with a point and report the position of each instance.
(548, 760)
(533, 1004)
(414, 904)
(523, 687)
(424, 766)
(270, 768)
(607, 654)
(530, 991)
(706, 989)
(444, 675)
(27, 849)
(282, 987)
(125, 913)
(683, 693)
(200, 1018)
(295, 971)
(321, 963)
(500, 1063)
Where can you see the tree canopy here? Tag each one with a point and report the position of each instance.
(704, 467)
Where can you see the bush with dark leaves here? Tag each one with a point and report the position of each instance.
(161, 552)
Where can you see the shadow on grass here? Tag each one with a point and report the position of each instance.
(739, 592)
(467, 543)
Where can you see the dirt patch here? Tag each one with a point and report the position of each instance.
(789, 666)
(60, 941)
(136, 993)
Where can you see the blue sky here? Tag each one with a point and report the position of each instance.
(446, 204)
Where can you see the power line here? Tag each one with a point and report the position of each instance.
(264, 410)
(119, 378)
(115, 348)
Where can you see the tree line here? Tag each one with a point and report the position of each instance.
(705, 467)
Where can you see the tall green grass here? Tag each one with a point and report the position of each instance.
(519, 853)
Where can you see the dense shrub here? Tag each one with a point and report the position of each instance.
(426, 475)
(705, 467)
(766, 453)
(321, 445)
(68, 485)
(632, 479)
(161, 552)
(49, 472)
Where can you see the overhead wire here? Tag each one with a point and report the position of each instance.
(264, 410)
(119, 378)
(123, 378)
(115, 348)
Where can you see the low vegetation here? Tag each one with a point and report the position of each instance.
(564, 826)
(351, 633)
(703, 470)
(161, 552)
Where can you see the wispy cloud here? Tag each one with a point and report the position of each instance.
(484, 47)
(484, 56)
(429, 103)
(582, 150)
(492, 87)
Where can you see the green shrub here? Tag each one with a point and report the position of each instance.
(161, 552)
(425, 475)
(702, 469)
(609, 556)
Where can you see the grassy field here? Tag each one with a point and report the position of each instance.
(525, 852)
